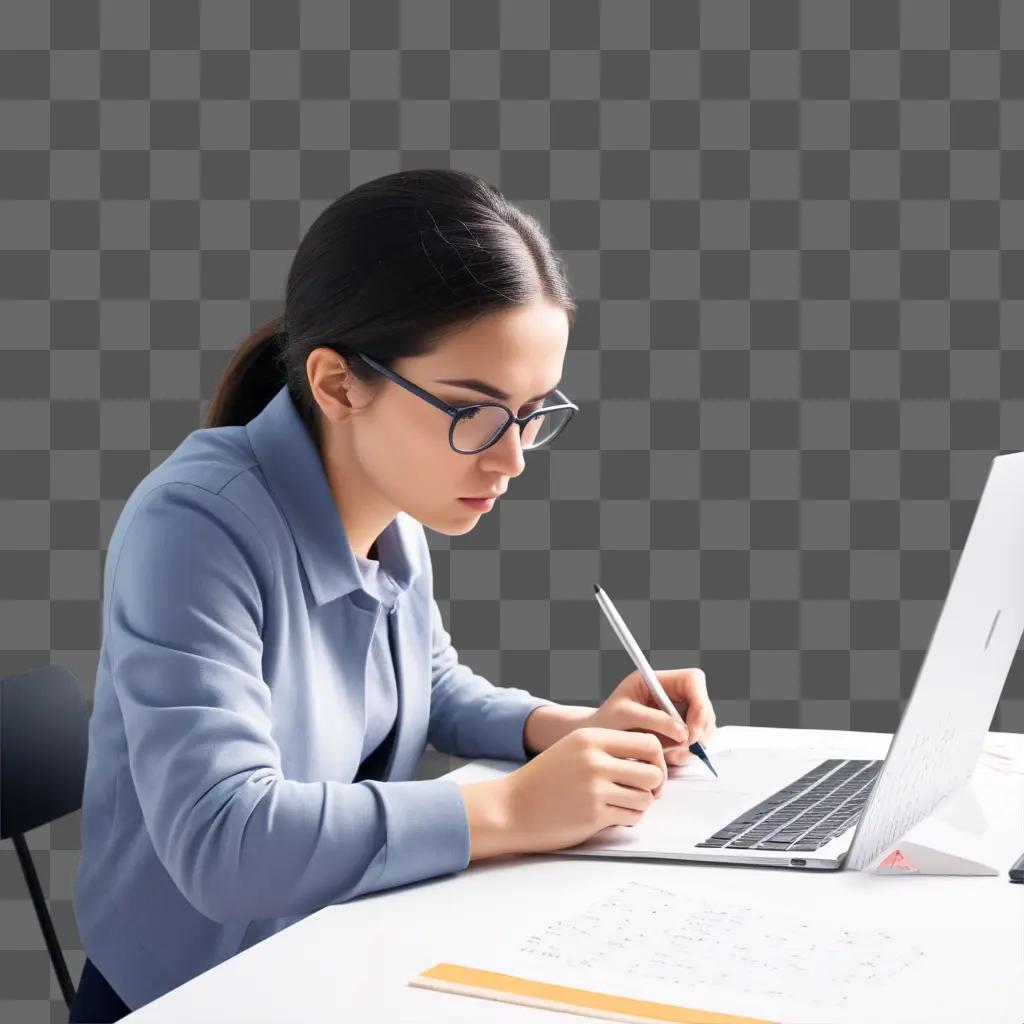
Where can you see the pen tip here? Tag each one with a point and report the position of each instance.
(596, 588)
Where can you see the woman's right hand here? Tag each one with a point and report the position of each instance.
(579, 785)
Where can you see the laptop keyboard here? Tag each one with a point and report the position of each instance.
(806, 813)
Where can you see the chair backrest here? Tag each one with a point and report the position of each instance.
(44, 740)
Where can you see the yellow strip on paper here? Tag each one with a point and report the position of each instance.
(508, 988)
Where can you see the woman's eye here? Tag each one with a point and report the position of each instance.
(532, 407)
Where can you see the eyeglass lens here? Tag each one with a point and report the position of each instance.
(476, 428)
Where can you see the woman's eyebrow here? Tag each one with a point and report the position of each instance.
(488, 389)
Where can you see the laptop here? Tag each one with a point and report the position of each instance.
(825, 811)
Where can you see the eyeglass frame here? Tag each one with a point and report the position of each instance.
(455, 412)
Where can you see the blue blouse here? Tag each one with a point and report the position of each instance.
(243, 676)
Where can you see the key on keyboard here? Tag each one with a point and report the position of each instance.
(806, 813)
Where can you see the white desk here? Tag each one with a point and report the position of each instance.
(352, 961)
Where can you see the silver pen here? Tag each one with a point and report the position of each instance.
(646, 672)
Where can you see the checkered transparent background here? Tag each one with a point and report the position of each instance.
(795, 231)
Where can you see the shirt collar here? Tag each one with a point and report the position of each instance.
(291, 464)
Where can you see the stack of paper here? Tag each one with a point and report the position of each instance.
(643, 952)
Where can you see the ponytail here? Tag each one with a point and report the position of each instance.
(251, 378)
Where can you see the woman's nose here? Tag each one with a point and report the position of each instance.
(509, 450)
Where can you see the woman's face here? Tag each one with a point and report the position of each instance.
(401, 441)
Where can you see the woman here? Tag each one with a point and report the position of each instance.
(273, 660)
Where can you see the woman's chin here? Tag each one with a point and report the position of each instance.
(460, 521)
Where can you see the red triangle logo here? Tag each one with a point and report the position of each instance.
(896, 862)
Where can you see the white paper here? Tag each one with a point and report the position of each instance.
(674, 945)
(1002, 754)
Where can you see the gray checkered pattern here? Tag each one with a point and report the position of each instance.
(796, 235)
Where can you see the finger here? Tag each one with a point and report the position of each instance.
(683, 684)
(638, 774)
(623, 743)
(628, 796)
(678, 755)
(699, 718)
(659, 721)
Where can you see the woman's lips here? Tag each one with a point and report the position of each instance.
(480, 504)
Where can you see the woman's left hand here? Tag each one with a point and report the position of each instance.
(631, 706)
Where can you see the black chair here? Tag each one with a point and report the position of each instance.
(44, 739)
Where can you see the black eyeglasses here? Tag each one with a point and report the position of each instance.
(476, 427)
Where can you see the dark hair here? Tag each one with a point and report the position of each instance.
(385, 269)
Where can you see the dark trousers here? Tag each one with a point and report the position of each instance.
(95, 1000)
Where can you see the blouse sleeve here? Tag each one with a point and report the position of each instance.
(183, 633)
(469, 715)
